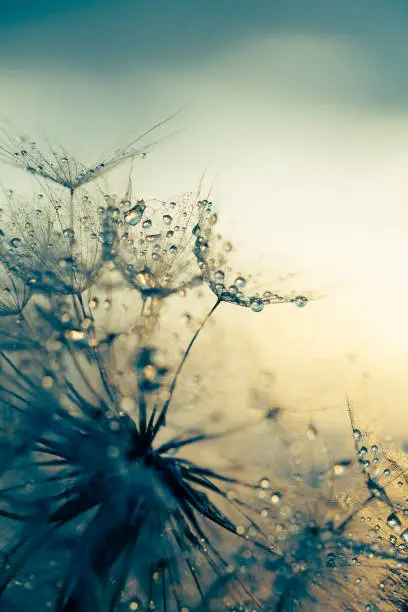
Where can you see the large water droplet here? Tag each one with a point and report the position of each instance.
(69, 233)
(394, 522)
(404, 535)
(276, 498)
(15, 242)
(256, 304)
(301, 301)
(240, 282)
(133, 215)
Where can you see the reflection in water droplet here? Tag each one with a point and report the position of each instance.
(394, 522)
(301, 301)
(256, 304)
(69, 233)
(133, 216)
(276, 498)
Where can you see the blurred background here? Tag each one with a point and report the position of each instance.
(296, 115)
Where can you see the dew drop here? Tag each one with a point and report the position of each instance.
(133, 215)
(300, 301)
(394, 522)
(404, 535)
(93, 303)
(47, 382)
(69, 233)
(15, 242)
(357, 434)
(173, 249)
(256, 304)
(152, 237)
(147, 224)
(276, 498)
(240, 282)
(219, 276)
(167, 219)
(311, 431)
(264, 483)
(75, 334)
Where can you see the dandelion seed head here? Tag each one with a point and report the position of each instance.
(57, 249)
(155, 252)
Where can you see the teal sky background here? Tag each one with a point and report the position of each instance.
(297, 111)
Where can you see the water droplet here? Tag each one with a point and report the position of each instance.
(311, 431)
(404, 535)
(394, 522)
(93, 303)
(219, 276)
(276, 498)
(240, 282)
(301, 301)
(256, 304)
(67, 263)
(167, 219)
(15, 242)
(69, 233)
(228, 246)
(340, 468)
(357, 434)
(264, 483)
(173, 249)
(133, 216)
(152, 237)
(75, 334)
(186, 318)
(47, 382)
(147, 224)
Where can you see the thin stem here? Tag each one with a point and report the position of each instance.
(162, 417)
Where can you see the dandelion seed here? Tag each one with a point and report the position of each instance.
(55, 164)
(213, 255)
